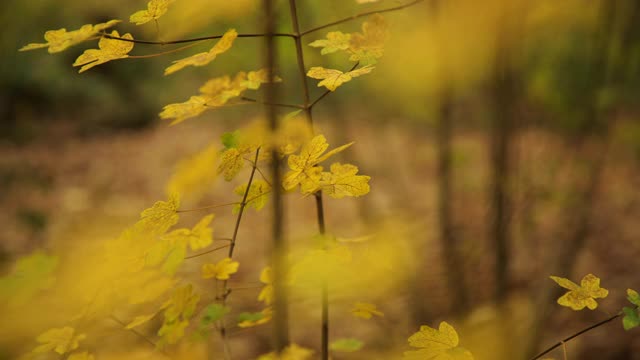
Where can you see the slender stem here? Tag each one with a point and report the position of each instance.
(319, 206)
(225, 290)
(300, 59)
(295, 106)
(162, 53)
(182, 41)
(561, 342)
(353, 17)
(137, 333)
(207, 252)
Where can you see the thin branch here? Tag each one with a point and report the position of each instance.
(207, 252)
(208, 207)
(162, 53)
(561, 342)
(139, 334)
(225, 290)
(356, 16)
(329, 91)
(295, 106)
(182, 41)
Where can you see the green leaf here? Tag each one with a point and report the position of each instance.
(251, 317)
(346, 345)
(230, 139)
(631, 318)
(212, 313)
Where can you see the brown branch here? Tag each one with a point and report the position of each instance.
(225, 290)
(295, 106)
(182, 41)
(356, 16)
(208, 251)
(559, 343)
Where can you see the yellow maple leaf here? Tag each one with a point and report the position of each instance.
(172, 332)
(335, 41)
(580, 296)
(232, 161)
(303, 167)
(437, 344)
(60, 340)
(194, 176)
(109, 49)
(155, 9)
(161, 216)
(193, 107)
(256, 78)
(256, 197)
(204, 58)
(368, 46)
(81, 356)
(332, 78)
(182, 304)
(266, 294)
(139, 320)
(291, 352)
(61, 39)
(342, 181)
(221, 270)
(365, 310)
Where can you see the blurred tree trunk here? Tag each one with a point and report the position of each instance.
(504, 98)
(452, 260)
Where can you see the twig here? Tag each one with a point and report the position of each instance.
(561, 342)
(329, 91)
(182, 41)
(225, 290)
(353, 17)
(207, 252)
(139, 334)
(295, 106)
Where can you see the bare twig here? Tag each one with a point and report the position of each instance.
(182, 41)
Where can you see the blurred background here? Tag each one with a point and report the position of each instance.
(502, 138)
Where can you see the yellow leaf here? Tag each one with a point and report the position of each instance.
(81, 356)
(139, 320)
(193, 107)
(218, 91)
(172, 332)
(291, 352)
(155, 9)
(109, 49)
(335, 41)
(59, 40)
(436, 344)
(256, 78)
(332, 78)
(196, 174)
(60, 340)
(365, 310)
(257, 195)
(221, 271)
(231, 162)
(266, 294)
(303, 167)
(161, 216)
(369, 45)
(205, 58)
(182, 304)
(342, 181)
(579, 297)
